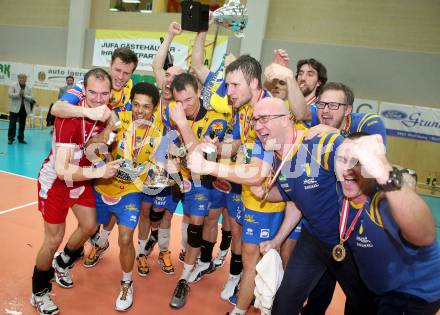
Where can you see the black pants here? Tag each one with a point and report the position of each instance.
(13, 118)
(307, 264)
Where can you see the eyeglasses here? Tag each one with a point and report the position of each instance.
(264, 119)
(331, 105)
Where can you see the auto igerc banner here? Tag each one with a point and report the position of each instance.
(146, 44)
(53, 77)
(422, 123)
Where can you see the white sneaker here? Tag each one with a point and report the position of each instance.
(230, 286)
(62, 276)
(44, 304)
(219, 260)
(200, 270)
(125, 297)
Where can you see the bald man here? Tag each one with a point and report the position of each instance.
(304, 174)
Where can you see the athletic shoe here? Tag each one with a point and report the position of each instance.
(233, 300)
(95, 255)
(200, 270)
(44, 304)
(219, 260)
(165, 263)
(182, 256)
(179, 296)
(231, 287)
(152, 241)
(143, 268)
(62, 276)
(125, 297)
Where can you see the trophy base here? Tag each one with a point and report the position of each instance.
(163, 184)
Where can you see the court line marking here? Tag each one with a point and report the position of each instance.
(19, 207)
(18, 175)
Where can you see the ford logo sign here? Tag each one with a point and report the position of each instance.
(394, 114)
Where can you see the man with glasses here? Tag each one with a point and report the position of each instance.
(303, 169)
(334, 112)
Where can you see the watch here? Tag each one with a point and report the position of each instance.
(394, 181)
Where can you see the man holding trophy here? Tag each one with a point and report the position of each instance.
(138, 143)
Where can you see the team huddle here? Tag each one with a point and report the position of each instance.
(284, 160)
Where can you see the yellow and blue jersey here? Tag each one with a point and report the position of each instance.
(385, 260)
(308, 179)
(244, 132)
(133, 171)
(206, 123)
(358, 122)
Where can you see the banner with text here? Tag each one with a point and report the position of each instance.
(10, 70)
(365, 106)
(53, 77)
(146, 44)
(414, 122)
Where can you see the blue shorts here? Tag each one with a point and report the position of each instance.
(196, 200)
(147, 198)
(126, 209)
(166, 200)
(218, 199)
(260, 226)
(296, 231)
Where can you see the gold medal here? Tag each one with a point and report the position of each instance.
(339, 252)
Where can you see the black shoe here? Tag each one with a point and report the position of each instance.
(22, 141)
(152, 241)
(179, 296)
(10, 141)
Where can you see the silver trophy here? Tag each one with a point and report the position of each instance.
(158, 178)
(233, 16)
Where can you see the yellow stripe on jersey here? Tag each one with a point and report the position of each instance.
(249, 200)
(373, 213)
(328, 149)
(364, 120)
(320, 147)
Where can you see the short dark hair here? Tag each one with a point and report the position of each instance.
(182, 80)
(338, 86)
(318, 66)
(250, 67)
(126, 55)
(148, 89)
(99, 74)
(70, 77)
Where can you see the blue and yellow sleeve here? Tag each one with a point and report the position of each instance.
(326, 150)
(373, 124)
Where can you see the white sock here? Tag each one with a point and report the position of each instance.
(186, 271)
(141, 246)
(237, 311)
(103, 237)
(164, 239)
(184, 230)
(126, 276)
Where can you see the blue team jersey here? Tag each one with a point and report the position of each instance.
(386, 261)
(308, 179)
(358, 122)
(315, 120)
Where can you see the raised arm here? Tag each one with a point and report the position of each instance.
(161, 55)
(297, 102)
(198, 57)
(63, 109)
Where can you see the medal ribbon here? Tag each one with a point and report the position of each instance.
(137, 150)
(272, 179)
(343, 234)
(86, 139)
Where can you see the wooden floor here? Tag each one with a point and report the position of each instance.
(95, 291)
